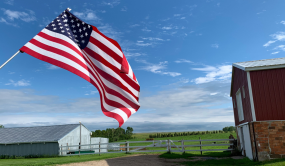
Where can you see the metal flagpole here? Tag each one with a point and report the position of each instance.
(80, 139)
(10, 59)
(18, 52)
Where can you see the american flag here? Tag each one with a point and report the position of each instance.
(80, 48)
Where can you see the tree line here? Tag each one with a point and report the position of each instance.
(1, 126)
(177, 134)
(114, 134)
(229, 128)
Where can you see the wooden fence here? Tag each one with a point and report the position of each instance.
(169, 145)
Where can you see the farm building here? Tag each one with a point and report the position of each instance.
(46, 140)
(258, 97)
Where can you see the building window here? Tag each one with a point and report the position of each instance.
(239, 105)
(243, 93)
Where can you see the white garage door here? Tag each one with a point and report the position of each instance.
(246, 141)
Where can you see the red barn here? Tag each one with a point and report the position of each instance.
(258, 97)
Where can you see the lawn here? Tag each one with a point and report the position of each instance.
(142, 137)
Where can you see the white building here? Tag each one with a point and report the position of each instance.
(47, 140)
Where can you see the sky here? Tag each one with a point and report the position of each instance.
(181, 53)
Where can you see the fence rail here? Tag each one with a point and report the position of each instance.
(169, 145)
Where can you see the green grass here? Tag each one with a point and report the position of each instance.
(57, 160)
(143, 136)
(220, 162)
(139, 137)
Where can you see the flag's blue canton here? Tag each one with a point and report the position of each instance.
(72, 27)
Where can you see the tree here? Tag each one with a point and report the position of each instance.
(1, 126)
(229, 128)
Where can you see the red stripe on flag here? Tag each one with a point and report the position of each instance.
(111, 91)
(59, 41)
(82, 75)
(107, 76)
(127, 79)
(109, 39)
(106, 49)
(125, 65)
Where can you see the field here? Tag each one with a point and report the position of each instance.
(142, 137)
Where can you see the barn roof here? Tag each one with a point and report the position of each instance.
(261, 64)
(35, 134)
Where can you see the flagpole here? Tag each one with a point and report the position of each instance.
(10, 58)
(18, 52)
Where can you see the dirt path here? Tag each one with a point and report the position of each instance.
(142, 160)
(137, 160)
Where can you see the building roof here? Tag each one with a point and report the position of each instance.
(261, 64)
(35, 134)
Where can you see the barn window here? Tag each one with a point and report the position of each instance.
(239, 105)
(243, 93)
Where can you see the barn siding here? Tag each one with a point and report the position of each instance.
(268, 89)
(239, 80)
(48, 148)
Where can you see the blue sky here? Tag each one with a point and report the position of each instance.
(181, 53)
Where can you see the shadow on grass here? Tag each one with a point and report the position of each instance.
(221, 162)
(187, 155)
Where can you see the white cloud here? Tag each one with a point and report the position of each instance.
(215, 45)
(27, 17)
(19, 83)
(280, 47)
(87, 15)
(129, 54)
(112, 3)
(91, 93)
(4, 21)
(218, 4)
(152, 38)
(214, 73)
(182, 18)
(282, 22)
(275, 52)
(183, 61)
(124, 9)
(134, 25)
(53, 67)
(10, 72)
(177, 15)
(143, 44)
(45, 22)
(146, 30)
(279, 36)
(261, 12)
(9, 2)
(166, 28)
(158, 68)
(269, 42)
(109, 31)
(186, 106)
(213, 93)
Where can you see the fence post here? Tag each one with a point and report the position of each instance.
(168, 149)
(200, 145)
(128, 148)
(99, 149)
(126, 144)
(61, 150)
(182, 144)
